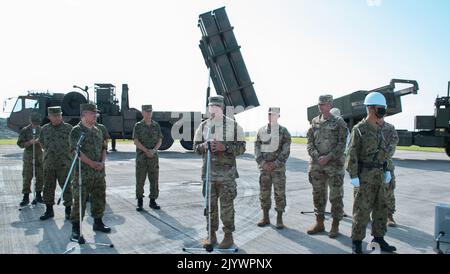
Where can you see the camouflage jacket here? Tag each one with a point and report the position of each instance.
(367, 147)
(228, 132)
(147, 135)
(327, 137)
(273, 147)
(104, 130)
(26, 134)
(56, 145)
(92, 146)
(391, 137)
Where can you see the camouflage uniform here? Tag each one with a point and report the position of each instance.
(105, 133)
(327, 136)
(57, 159)
(26, 134)
(391, 138)
(223, 171)
(278, 153)
(367, 160)
(148, 136)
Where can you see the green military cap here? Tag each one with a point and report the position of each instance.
(147, 108)
(35, 118)
(54, 110)
(274, 110)
(326, 99)
(216, 101)
(88, 107)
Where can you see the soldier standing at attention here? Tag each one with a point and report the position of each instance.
(54, 139)
(367, 164)
(28, 138)
(92, 156)
(226, 140)
(147, 137)
(326, 146)
(272, 148)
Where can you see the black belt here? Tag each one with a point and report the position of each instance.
(372, 165)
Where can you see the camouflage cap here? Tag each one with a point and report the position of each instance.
(216, 101)
(326, 99)
(88, 107)
(147, 108)
(35, 118)
(274, 110)
(54, 110)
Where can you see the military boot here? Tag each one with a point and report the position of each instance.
(227, 241)
(384, 246)
(48, 213)
(25, 200)
(75, 232)
(334, 231)
(153, 204)
(357, 247)
(318, 226)
(391, 222)
(213, 240)
(100, 226)
(39, 197)
(67, 212)
(139, 204)
(280, 224)
(265, 220)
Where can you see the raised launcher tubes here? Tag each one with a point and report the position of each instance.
(223, 57)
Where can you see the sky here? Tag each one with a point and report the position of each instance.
(294, 50)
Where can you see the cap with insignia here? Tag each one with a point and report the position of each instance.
(216, 101)
(88, 107)
(54, 110)
(274, 110)
(147, 108)
(326, 99)
(35, 118)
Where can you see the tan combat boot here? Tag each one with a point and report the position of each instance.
(390, 221)
(265, 220)
(280, 224)
(227, 241)
(318, 226)
(213, 240)
(334, 231)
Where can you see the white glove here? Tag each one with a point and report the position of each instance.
(355, 181)
(387, 177)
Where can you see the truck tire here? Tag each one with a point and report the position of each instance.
(167, 140)
(71, 103)
(188, 145)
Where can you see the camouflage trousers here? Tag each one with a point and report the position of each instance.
(320, 181)
(369, 198)
(226, 192)
(27, 175)
(390, 197)
(50, 178)
(96, 187)
(278, 180)
(147, 168)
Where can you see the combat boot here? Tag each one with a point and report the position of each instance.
(357, 247)
(100, 226)
(75, 232)
(334, 231)
(48, 213)
(39, 197)
(139, 204)
(67, 212)
(391, 222)
(213, 240)
(265, 220)
(153, 204)
(318, 226)
(384, 246)
(227, 241)
(25, 200)
(280, 224)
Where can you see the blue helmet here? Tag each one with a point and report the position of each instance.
(375, 99)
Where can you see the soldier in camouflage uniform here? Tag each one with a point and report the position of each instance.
(391, 138)
(225, 138)
(367, 164)
(326, 146)
(27, 139)
(147, 137)
(54, 139)
(272, 148)
(93, 157)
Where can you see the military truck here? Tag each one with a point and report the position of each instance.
(226, 68)
(430, 131)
